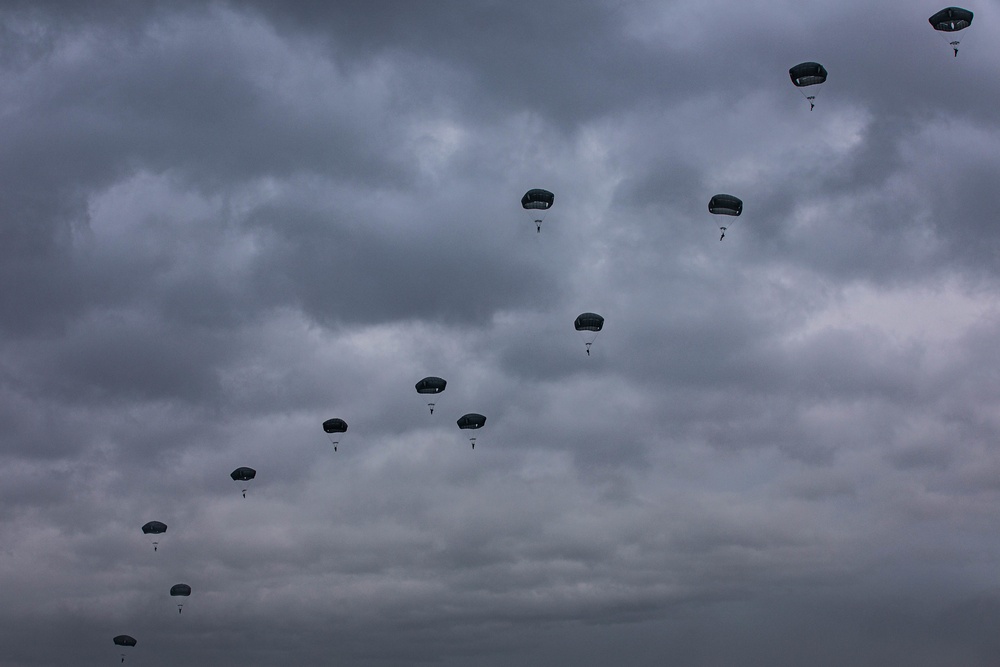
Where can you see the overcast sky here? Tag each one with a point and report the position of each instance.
(224, 223)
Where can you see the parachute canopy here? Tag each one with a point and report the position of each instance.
(589, 322)
(243, 474)
(725, 205)
(431, 385)
(951, 19)
(471, 420)
(537, 199)
(180, 589)
(334, 426)
(124, 640)
(807, 74)
(154, 528)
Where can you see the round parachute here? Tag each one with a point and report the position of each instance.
(951, 19)
(180, 590)
(473, 421)
(334, 427)
(808, 74)
(124, 640)
(431, 385)
(725, 205)
(589, 324)
(537, 202)
(243, 474)
(154, 528)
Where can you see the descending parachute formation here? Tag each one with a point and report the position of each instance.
(124, 640)
(589, 324)
(537, 202)
(243, 474)
(473, 421)
(154, 528)
(180, 590)
(431, 385)
(725, 205)
(333, 428)
(951, 19)
(808, 74)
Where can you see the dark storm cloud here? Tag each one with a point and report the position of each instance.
(224, 223)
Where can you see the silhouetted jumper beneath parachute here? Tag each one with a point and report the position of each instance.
(334, 427)
(243, 474)
(154, 528)
(431, 385)
(537, 201)
(951, 19)
(124, 640)
(471, 420)
(725, 205)
(808, 74)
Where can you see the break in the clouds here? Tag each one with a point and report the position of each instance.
(223, 223)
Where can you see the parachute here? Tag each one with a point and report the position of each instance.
(334, 427)
(589, 324)
(243, 474)
(537, 202)
(471, 420)
(154, 528)
(124, 640)
(431, 385)
(180, 590)
(725, 205)
(951, 19)
(808, 74)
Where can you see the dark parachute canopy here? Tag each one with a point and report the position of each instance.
(808, 74)
(243, 474)
(951, 19)
(473, 421)
(124, 640)
(431, 385)
(154, 528)
(537, 200)
(333, 427)
(725, 205)
(589, 324)
(180, 590)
